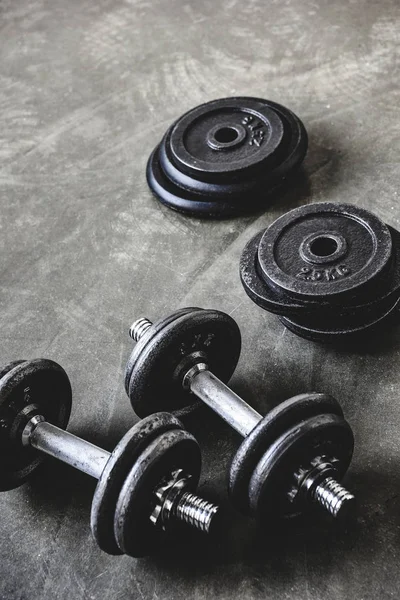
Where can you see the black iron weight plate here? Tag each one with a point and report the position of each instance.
(4, 370)
(225, 157)
(278, 301)
(109, 486)
(43, 383)
(210, 140)
(148, 338)
(324, 249)
(153, 385)
(135, 533)
(324, 435)
(330, 270)
(353, 329)
(275, 424)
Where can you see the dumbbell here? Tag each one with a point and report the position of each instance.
(144, 486)
(294, 456)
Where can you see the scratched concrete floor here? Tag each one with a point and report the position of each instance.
(86, 90)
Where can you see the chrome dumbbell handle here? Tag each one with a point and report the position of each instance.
(65, 446)
(221, 399)
(90, 459)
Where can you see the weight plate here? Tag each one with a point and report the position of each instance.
(38, 382)
(154, 384)
(323, 435)
(148, 337)
(324, 268)
(4, 370)
(272, 299)
(226, 156)
(115, 472)
(324, 249)
(349, 332)
(184, 412)
(135, 533)
(275, 424)
(278, 301)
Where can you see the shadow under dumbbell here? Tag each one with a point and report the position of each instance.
(239, 540)
(303, 542)
(55, 485)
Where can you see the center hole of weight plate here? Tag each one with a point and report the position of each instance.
(222, 137)
(323, 246)
(226, 134)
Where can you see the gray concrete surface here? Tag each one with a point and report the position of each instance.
(86, 90)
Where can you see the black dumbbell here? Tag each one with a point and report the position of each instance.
(330, 271)
(144, 486)
(295, 455)
(226, 157)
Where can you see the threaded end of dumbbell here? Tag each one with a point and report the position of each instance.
(332, 496)
(196, 512)
(139, 328)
